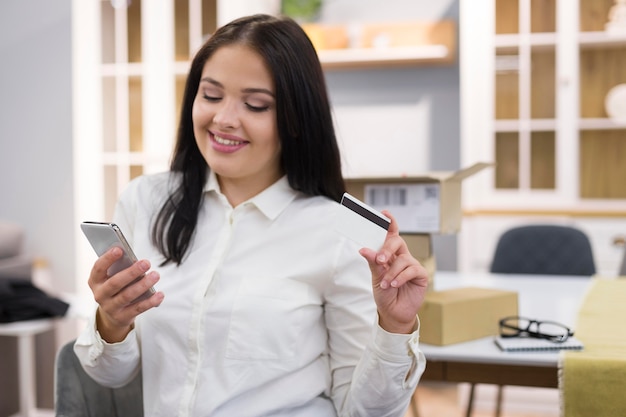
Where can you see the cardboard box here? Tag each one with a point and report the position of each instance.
(463, 314)
(421, 247)
(429, 203)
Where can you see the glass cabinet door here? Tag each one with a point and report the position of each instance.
(602, 141)
(525, 95)
(146, 50)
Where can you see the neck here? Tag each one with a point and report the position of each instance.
(238, 190)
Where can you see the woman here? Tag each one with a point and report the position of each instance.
(269, 311)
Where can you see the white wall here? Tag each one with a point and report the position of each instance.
(36, 181)
(36, 185)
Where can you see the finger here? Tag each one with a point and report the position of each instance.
(407, 272)
(142, 306)
(369, 255)
(394, 244)
(99, 270)
(122, 279)
(403, 269)
(130, 311)
(393, 226)
(138, 289)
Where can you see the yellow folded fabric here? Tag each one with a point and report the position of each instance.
(592, 382)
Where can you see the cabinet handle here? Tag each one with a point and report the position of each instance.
(619, 241)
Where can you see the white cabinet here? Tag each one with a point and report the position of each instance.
(534, 77)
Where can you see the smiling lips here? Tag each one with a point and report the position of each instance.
(226, 145)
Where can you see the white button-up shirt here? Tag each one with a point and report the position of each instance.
(270, 314)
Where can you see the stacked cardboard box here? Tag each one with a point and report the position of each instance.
(423, 205)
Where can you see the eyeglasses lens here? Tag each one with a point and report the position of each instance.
(513, 326)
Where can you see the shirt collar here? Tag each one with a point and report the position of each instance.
(271, 201)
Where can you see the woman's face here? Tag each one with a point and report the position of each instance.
(234, 119)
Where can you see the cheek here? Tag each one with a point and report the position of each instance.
(270, 128)
(196, 112)
(199, 117)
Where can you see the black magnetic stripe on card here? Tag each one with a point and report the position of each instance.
(363, 212)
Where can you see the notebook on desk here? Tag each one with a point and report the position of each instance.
(525, 344)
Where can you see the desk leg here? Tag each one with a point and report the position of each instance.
(26, 375)
(470, 401)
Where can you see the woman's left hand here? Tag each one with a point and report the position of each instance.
(399, 281)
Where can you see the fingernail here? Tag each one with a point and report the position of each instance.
(394, 283)
(153, 277)
(144, 265)
(384, 285)
(380, 258)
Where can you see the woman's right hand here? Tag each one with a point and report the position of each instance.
(116, 311)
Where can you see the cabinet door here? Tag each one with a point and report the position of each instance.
(524, 130)
(602, 139)
(548, 69)
(517, 116)
(145, 47)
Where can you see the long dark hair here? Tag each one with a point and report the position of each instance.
(309, 151)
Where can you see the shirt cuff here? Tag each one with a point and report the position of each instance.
(396, 347)
(91, 341)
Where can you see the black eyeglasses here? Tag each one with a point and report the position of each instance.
(515, 326)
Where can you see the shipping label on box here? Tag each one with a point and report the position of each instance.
(416, 207)
(429, 203)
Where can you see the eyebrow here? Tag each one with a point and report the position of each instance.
(245, 90)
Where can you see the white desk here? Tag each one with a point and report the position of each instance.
(542, 297)
(25, 331)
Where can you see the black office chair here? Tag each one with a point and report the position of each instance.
(622, 268)
(540, 249)
(544, 249)
(77, 395)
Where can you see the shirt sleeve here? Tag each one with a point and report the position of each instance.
(113, 364)
(387, 375)
(374, 372)
(110, 364)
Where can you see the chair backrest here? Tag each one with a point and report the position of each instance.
(622, 268)
(77, 394)
(544, 249)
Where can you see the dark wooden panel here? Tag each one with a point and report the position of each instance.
(528, 376)
(434, 371)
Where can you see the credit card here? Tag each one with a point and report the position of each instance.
(361, 223)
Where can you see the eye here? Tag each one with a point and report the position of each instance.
(211, 98)
(257, 109)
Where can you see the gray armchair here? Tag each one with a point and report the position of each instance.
(77, 395)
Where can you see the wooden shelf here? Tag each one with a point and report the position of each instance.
(587, 123)
(601, 39)
(599, 123)
(515, 125)
(385, 57)
(386, 44)
(512, 41)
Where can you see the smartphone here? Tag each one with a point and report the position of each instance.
(102, 237)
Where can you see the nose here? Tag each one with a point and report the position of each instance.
(226, 115)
